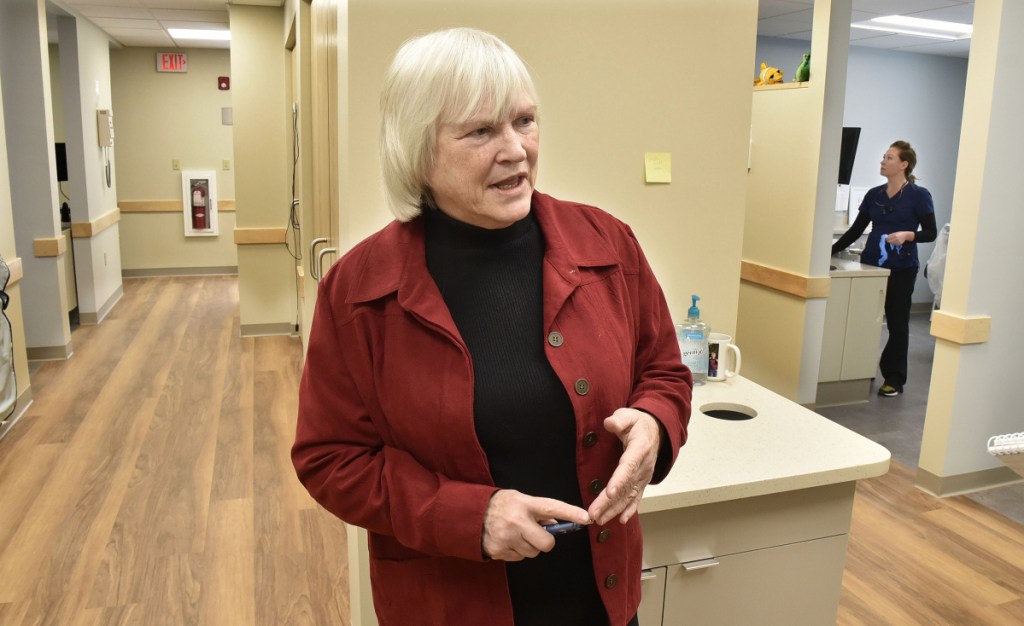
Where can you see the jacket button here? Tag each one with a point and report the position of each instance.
(555, 339)
(589, 439)
(603, 535)
(582, 387)
(611, 581)
(596, 486)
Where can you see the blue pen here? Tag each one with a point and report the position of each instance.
(563, 528)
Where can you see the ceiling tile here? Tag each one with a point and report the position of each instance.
(193, 5)
(785, 24)
(107, 23)
(194, 25)
(109, 3)
(109, 11)
(902, 7)
(775, 8)
(962, 14)
(219, 17)
(141, 37)
(960, 48)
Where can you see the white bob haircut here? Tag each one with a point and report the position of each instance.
(445, 77)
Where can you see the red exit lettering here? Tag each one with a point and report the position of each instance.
(171, 62)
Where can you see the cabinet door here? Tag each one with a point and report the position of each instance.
(788, 585)
(652, 598)
(834, 334)
(864, 327)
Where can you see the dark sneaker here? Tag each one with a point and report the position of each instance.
(889, 391)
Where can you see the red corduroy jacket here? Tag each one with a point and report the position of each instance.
(385, 436)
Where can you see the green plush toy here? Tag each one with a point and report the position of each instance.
(803, 73)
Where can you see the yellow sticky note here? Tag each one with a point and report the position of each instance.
(658, 167)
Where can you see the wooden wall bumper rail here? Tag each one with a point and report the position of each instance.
(258, 236)
(86, 230)
(961, 329)
(49, 246)
(166, 206)
(806, 287)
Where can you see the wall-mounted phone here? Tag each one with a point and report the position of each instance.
(105, 127)
(105, 135)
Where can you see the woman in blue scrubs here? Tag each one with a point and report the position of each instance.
(895, 210)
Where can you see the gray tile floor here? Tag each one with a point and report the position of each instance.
(897, 423)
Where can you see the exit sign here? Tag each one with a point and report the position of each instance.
(171, 62)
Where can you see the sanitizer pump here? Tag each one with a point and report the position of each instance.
(693, 343)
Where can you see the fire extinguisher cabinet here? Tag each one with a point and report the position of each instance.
(199, 195)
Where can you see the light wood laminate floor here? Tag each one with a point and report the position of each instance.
(149, 483)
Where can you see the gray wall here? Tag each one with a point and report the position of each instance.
(894, 95)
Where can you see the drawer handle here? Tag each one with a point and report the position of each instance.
(648, 574)
(692, 566)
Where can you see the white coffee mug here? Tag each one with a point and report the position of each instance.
(719, 347)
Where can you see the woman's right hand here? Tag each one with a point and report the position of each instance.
(513, 524)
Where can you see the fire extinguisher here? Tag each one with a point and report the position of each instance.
(200, 219)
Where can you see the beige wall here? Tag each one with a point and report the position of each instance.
(56, 95)
(156, 241)
(615, 80)
(262, 147)
(25, 64)
(162, 117)
(9, 253)
(795, 136)
(85, 88)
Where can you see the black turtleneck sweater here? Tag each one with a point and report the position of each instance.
(491, 281)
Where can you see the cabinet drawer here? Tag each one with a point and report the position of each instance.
(724, 528)
(652, 596)
(793, 585)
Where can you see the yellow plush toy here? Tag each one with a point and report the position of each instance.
(769, 75)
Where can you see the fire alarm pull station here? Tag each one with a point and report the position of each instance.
(224, 83)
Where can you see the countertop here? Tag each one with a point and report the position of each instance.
(786, 447)
(849, 267)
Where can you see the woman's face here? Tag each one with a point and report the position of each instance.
(484, 172)
(891, 163)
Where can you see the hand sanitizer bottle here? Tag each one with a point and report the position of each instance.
(693, 343)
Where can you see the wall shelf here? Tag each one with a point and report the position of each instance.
(778, 86)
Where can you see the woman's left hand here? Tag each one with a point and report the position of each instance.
(641, 438)
(900, 237)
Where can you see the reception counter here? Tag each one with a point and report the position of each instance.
(750, 526)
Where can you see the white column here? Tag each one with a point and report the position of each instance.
(976, 372)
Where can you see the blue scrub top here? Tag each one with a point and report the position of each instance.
(889, 215)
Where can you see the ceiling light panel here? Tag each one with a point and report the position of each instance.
(200, 34)
(917, 23)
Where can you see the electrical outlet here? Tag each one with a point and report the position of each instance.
(175, 165)
(225, 164)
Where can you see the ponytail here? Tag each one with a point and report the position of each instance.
(906, 154)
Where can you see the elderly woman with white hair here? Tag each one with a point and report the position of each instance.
(493, 378)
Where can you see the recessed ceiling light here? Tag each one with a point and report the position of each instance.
(921, 23)
(193, 33)
(917, 27)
